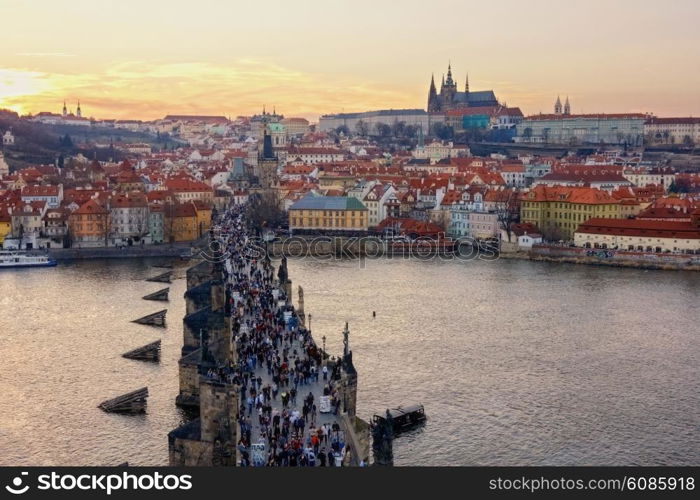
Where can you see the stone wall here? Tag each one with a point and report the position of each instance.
(186, 449)
(357, 433)
(189, 379)
(619, 258)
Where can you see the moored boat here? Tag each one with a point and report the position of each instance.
(9, 259)
(403, 418)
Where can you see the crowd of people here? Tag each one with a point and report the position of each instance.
(288, 389)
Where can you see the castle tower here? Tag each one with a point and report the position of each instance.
(557, 107)
(567, 106)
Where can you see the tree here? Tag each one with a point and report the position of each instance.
(142, 226)
(361, 128)
(680, 186)
(398, 129)
(264, 210)
(410, 131)
(474, 134)
(343, 129)
(688, 141)
(508, 210)
(383, 130)
(527, 133)
(169, 213)
(107, 220)
(442, 131)
(65, 141)
(552, 232)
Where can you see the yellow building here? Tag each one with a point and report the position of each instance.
(328, 213)
(559, 210)
(5, 225)
(181, 222)
(204, 214)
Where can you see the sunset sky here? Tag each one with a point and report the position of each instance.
(144, 59)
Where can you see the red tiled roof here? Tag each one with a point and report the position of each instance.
(40, 191)
(602, 116)
(582, 195)
(91, 207)
(179, 185)
(636, 227)
(673, 121)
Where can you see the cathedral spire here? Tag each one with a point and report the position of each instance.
(65, 110)
(432, 96)
(449, 80)
(78, 112)
(567, 106)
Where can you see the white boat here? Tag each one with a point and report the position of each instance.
(19, 259)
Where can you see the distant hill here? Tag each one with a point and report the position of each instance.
(38, 143)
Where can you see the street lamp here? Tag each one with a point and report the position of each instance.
(309, 321)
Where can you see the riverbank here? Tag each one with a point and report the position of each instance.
(607, 258)
(171, 250)
(325, 247)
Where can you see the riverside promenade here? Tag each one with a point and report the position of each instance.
(265, 392)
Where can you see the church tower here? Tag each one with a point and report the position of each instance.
(433, 104)
(557, 107)
(266, 169)
(78, 113)
(466, 84)
(65, 110)
(567, 106)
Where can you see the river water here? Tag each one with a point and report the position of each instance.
(517, 363)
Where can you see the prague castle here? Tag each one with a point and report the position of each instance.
(450, 98)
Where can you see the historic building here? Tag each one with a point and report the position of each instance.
(329, 213)
(558, 211)
(450, 98)
(563, 128)
(672, 130)
(88, 225)
(641, 235)
(356, 123)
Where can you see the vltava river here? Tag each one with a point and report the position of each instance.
(517, 363)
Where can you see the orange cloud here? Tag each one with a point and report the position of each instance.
(137, 89)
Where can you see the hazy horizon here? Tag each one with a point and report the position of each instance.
(144, 60)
